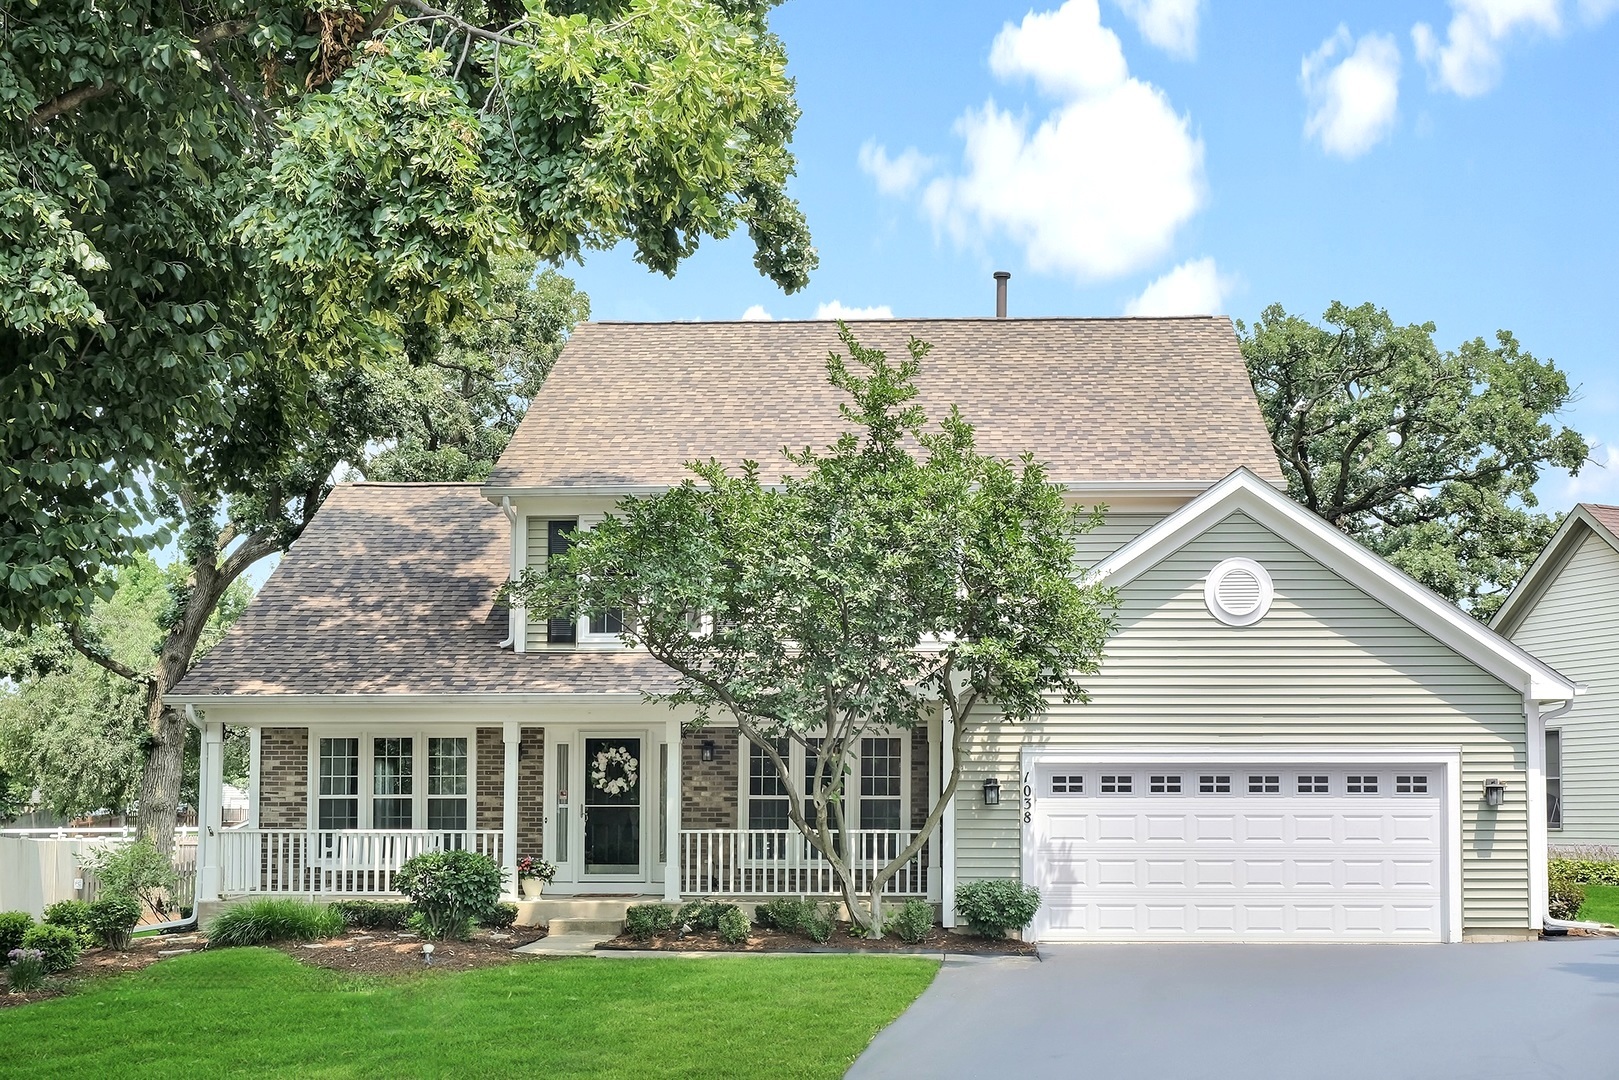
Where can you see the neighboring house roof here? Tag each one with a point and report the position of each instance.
(391, 590)
(1107, 403)
(1584, 520)
(1246, 492)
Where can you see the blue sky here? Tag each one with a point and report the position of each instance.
(1454, 162)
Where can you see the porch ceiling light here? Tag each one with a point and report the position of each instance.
(708, 749)
(1494, 792)
(992, 792)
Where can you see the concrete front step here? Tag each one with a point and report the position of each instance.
(547, 910)
(604, 928)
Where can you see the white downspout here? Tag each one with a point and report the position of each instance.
(511, 612)
(1541, 852)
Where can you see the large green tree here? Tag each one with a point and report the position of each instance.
(74, 731)
(204, 202)
(1427, 456)
(897, 571)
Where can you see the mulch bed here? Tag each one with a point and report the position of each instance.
(388, 952)
(762, 940)
(143, 952)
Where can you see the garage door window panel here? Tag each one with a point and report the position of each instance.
(1163, 785)
(1117, 784)
(1214, 784)
(1361, 784)
(1264, 784)
(1313, 784)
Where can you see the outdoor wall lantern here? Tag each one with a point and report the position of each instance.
(1494, 792)
(992, 792)
(708, 749)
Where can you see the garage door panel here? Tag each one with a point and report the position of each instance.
(1270, 863)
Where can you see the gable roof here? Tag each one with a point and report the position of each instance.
(1364, 569)
(1115, 403)
(391, 591)
(1586, 519)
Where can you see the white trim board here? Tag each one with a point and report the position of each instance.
(1246, 492)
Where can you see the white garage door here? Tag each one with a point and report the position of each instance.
(1221, 852)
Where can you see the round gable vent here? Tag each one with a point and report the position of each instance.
(1238, 592)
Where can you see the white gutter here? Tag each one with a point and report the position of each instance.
(511, 612)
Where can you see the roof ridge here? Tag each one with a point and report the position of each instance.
(910, 318)
(411, 483)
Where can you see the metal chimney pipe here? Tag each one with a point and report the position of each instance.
(1001, 278)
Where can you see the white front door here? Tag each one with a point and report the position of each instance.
(604, 808)
(1172, 852)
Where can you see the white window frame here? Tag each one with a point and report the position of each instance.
(418, 795)
(851, 784)
(583, 637)
(1554, 775)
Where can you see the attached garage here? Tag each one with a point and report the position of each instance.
(1282, 848)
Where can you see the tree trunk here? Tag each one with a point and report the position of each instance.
(160, 780)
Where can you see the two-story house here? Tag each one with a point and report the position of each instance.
(1289, 739)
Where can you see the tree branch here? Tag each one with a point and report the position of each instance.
(471, 29)
(100, 656)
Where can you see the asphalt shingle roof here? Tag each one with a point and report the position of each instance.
(1607, 516)
(1099, 400)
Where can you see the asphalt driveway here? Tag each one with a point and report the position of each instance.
(1524, 1009)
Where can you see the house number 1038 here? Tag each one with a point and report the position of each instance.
(1028, 800)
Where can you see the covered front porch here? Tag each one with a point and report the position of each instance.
(338, 805)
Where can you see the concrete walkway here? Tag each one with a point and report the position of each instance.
(1527, 1009)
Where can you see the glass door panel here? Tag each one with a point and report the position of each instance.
(612, 806)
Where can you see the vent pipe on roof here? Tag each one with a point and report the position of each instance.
(1001, 278)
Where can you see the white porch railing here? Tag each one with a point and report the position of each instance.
(341, 863)
(765, 862)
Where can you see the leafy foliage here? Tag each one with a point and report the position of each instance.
(112, 918)
(13, 925)
(733, 926)
(643, 922)
(897, 569)
(1565, 896)
(699, 915)
(206, 209)
(913, 922)
(25, 970)
(136, 869)
(795, 916)
(993, 906)
(268, 921)
(373, 914)
(61, 945)
(1585, 871)
(449, 889)
(75, 915)
(1427, 457)
(498, 916)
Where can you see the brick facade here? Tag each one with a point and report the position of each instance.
(709, 790)
(491, 772)
(283, 778)
(531, 792)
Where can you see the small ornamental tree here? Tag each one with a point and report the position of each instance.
(898, 571)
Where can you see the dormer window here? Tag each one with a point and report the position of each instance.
(548, 538)
(560, 630)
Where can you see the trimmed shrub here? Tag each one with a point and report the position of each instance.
(73, 914)
(733, 925)
(701, 915)
(643, 922)
(112, 919)
(784, 913)
(13, 925)
(499, 917)
(450, 889)
(60, 945)
(993, 907)
(820, 923)
(265, 922)
(1564, 897)
(25, 969)
(373, 914)
(1584, 871)
(912, 923)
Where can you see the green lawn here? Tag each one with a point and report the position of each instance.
(256, 1012)
(1601, 904)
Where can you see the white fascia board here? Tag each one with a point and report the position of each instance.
(1372, 574)
(328, 701)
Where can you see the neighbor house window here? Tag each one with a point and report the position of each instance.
(447, 784)
(392, 782)
(1554, 779)
(338, 805)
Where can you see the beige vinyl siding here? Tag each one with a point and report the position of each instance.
(1327, 666)
(1115, 531)
(1574, 626)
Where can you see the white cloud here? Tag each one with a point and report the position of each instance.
(1353, 101)
(1468, 61)
(894, 175)
(1099, 186)
(757, 313)
(1598, 481)
(1196, 287)
(836, 310)
(1169, 24)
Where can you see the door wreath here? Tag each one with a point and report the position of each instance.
(614, 771)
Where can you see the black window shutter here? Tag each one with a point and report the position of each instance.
(558, 537)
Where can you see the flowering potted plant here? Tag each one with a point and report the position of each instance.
(535, 873)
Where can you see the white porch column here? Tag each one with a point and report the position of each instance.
(935, 785)
(672, 868)
(947, 824)
(210, 804)
(511, 734)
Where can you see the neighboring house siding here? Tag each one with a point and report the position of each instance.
(284, 778)
(1327, 666)
(1574, 627)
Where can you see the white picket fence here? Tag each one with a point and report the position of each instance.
(766, 862)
